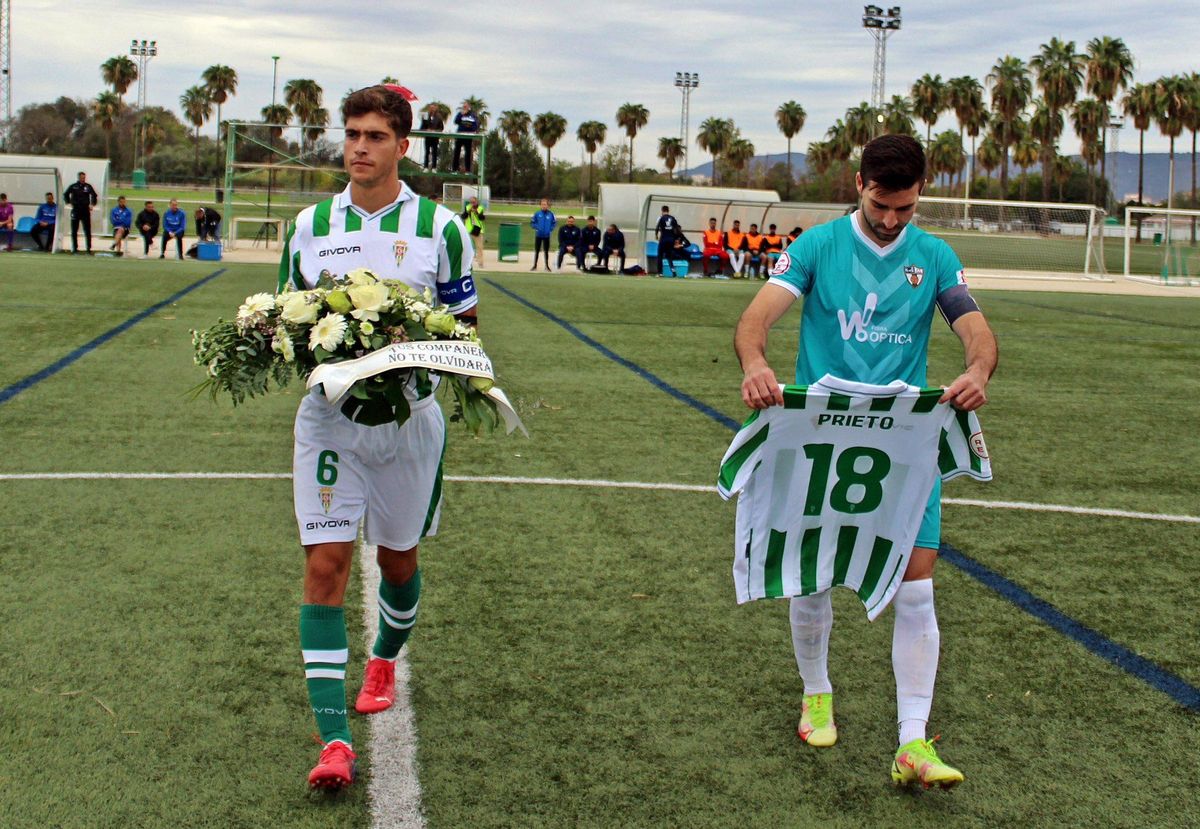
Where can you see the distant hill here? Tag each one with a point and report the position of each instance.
(1126, 181)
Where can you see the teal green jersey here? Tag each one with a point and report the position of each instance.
(867, 309)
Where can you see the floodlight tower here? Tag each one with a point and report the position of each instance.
(685, 82)
(143, 50)
(5, 70)
(881, 24)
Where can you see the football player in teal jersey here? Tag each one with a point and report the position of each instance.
(870, 282)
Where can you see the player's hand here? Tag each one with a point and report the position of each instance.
(760, 388)
(968, 392)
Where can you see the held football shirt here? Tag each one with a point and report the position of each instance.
(832, 486)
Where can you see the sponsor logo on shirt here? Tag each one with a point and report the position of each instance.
(782, 265)
(324, 525)
(914, 275)
(858, 325)
(338, 251)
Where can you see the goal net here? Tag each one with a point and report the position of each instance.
(456, 196)
(1040, 240)
(1160, 245)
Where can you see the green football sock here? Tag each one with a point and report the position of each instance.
(397, 615)
(323, 641)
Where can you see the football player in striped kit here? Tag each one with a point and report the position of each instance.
(871, 282)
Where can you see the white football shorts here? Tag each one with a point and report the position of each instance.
(343, 471)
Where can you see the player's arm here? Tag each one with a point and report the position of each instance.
(455, 279)
(980, 353)
(760, 387)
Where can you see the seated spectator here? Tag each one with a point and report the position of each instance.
(44, 222)
(772, 247)
(121, 219)
(589, 241)
(612, 242)
(795, 234)
(754, 251)
(174, 225)
(208, 224)
(714, 247)
(147, 222)
(7, 222)
(568, 243)
(735, 246)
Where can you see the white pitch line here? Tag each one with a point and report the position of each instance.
(1026, 506)
(394, 787)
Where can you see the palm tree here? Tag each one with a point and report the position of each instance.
(1059, 73)
(549, 127)
(739, 153)
(1064, 168)
(631, 118)
(151, 132)
(591, 134)
(197, 107)
(318, 120)
(714, 137)
(1174, 97)
(479, 107)
(670, 150)
(1089, 118)
(897, 117)
(819, 157)
(1109, 69)
(790, 118)
(929, 97)
(1141, 104)
(965, 96)
(514, 124)
(303, 96)
(1011, 89)
(119, 72)
(1025, 155)
(221, 82)
(861, 124)
(990, 155)
(106, 109)
(837, 138)
(1045, 126)
(1191, 121)
(278, 116)
(946, 154)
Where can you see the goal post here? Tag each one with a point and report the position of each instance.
(1160, 245)
(1040, 240)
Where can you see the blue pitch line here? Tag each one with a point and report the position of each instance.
(648, 376)
(16, 388)
(1153, 675)
(1158, 677)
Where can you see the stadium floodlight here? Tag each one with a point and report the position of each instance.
(880, 24)
(685, 82)
(143, 50)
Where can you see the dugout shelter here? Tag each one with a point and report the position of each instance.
(27, 178)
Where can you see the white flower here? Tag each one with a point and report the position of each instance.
(301, 307)
(361, 276)
(366, 328)
(369, 300)
(328, 333)
(254, 310)
(419, 309)
(282, 345)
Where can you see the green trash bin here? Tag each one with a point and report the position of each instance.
(139, 179)
(509, 244)
(1157, 239)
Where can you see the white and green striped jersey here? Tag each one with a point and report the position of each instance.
(832, 486)
(414, 240)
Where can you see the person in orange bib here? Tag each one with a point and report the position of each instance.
(714, 248)
(735, 246)
(772, 247)
(755, 243)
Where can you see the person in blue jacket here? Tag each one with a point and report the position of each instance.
(121, 219)
(568, 242)
(44, 222)
(543, 223)
(174, 223)
(612, 242)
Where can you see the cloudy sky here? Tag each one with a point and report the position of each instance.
(582, 60)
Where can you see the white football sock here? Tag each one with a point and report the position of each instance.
(915, 643)
(812, 619)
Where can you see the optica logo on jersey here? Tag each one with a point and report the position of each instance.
(858, 325)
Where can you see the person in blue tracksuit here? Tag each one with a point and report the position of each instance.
(612, 242)
(44, 222)
(121, 219)
(543, 223)
(568, 242)
(174, 223)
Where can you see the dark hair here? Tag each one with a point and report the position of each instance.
(391, 105)
(753, 224)
(893, 163)
(712, 218)
(591, 218)
(772, 227)
(665, 208)
(797, 230)
(3, 195)
(50, 194)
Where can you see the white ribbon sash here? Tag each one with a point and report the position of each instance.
(450, 356)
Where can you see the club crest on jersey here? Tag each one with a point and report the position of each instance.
(961, 277)
(399, 247)
(782, 265)
(914, 275)
(325, 493)
(978, 446)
